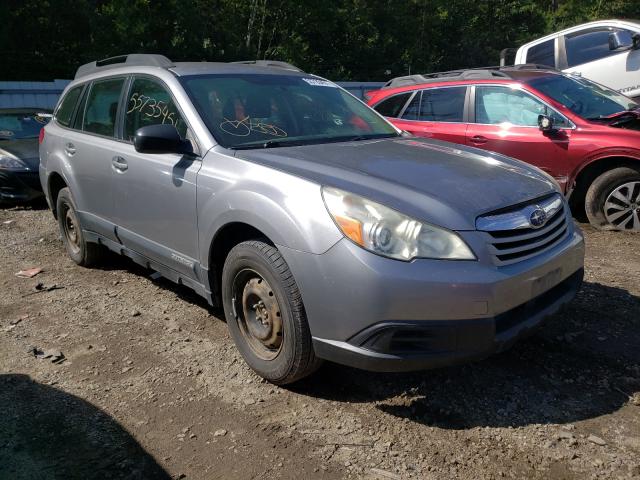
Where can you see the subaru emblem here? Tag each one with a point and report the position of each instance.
(538, 217)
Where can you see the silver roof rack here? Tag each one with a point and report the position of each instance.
(133, 59)
(483, 73)
(270, 63)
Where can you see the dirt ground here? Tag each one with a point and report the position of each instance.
(152, 387)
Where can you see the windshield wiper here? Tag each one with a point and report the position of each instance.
(266, 144)
(615, 116)
(309, 141)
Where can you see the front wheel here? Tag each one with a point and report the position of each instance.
(265, 314)
(613, 200)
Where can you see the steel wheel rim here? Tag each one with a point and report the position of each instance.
(257, 314)
(71, 230)
(622, 206)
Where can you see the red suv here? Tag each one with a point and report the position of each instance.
(583, 134)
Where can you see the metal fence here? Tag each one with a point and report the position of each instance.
(31, 94)
(45, 94)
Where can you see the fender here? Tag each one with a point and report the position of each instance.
(601, 154)
(289, 210)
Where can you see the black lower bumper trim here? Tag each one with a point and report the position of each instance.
(416, 345)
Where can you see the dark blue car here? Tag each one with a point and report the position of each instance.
(19, 158)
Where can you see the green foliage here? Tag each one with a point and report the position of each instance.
(340, 39)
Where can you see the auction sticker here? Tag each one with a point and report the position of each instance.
(317, 82)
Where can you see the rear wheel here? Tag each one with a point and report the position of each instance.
(265, 314)
(82, 252)
(613, 200)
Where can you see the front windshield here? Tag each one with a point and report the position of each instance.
(20, 124)
(583, 97)
(259, 111)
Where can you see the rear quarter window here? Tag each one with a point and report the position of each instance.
(542, 53)
(67, 106)
(392, 106)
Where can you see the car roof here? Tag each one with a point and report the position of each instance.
(505, 75)
(612, 22)
(130, 62)
(203, 68)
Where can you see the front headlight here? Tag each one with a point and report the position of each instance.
(9, 162)
(384, 231)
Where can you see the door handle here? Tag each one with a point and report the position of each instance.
(119, 163)
(478, 139)
(70, 148)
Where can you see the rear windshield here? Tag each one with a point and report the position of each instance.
(18, 125)
(260, 111)
(583, 97)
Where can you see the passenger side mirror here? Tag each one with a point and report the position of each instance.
(621, 40)
(161, 138)
(545, 123)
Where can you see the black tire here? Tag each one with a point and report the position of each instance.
(82, 252)
(600, 190)
(254, 271)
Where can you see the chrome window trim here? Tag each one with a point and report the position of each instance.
(521, 88)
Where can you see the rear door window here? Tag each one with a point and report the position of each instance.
(443, 104)
(102, 107)
(542, 53)
(67, 106)
(150, 103)
(588, 45)
(392, 106)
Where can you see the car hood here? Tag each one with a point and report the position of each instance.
(25, 149)
(437, 182)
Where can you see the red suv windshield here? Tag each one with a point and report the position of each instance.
(583, 97)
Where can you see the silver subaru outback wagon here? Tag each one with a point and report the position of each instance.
(322, 230)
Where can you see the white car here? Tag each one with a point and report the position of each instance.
(606, 51)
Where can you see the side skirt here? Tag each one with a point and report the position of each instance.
(202, 289)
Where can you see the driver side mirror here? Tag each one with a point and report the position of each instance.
(161, 138)
(623, 40)
(545, 123)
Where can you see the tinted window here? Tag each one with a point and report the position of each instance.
(497, 105)
(412, 112)
(149, 103)
(18, 124)
(442, 104)
(102, 107)
(587, 46)
(77, 121)
(392, 106)
(268, 111)
(65, 110)
(542, 53)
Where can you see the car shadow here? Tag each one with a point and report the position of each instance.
(46, 433)
(113, 262)
(582, 364)
(37, 204)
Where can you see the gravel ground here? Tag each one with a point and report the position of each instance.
(151, 386)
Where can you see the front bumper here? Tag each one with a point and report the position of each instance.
(379, 314)
(19, 186)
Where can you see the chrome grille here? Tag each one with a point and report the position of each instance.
(511, 237)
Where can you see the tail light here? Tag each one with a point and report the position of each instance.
(41, 136)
